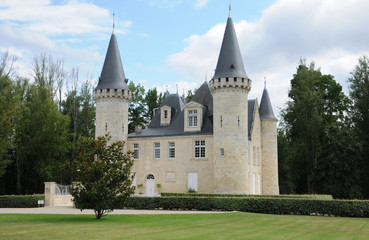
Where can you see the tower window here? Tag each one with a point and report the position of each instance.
(106, 127)
(235, 79)
(227, 80)
(222, 152)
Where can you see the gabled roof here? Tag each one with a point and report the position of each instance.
(112, 74)
(230, 62)
(266, 109)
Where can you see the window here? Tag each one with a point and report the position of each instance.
(200, 149)
(106, 127)
(222, 152)
(192, 118)
(156, 150)
(172, 150)
(165, 113)
(136, 151)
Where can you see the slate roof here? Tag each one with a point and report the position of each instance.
(112, 74)
(250, 115)
(230, 62)
(176, 127)
(266, 109)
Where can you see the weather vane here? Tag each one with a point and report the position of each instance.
(113, 21)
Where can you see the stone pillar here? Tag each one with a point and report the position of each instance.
(49, 193)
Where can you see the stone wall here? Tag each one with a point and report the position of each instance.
(54, 199)
(172, 173)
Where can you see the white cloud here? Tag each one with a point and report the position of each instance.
(331, 33)
(165, 3)
(201, 3)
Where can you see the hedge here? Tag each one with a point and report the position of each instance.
(342, 208)
(20, 201)
(316, 196)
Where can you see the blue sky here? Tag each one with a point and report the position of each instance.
(165, 43)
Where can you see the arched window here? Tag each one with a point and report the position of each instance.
(150, 176)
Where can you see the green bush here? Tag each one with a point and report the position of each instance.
(20, 201)
(318, 197)
(343, 208)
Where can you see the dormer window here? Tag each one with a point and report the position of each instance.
(192, 118)
(165, 117)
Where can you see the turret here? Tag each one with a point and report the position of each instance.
(230, 86)
(269, 147)
(112, 96)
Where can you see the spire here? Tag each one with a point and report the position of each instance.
(266, 109)
(230, 62)
(112, 74)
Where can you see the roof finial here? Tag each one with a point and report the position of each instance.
(229, 8)
(113, 21)
(265, 82)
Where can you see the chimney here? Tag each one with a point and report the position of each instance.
(138, 129)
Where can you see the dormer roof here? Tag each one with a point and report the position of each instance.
(266, 109)
(112, 74)
(230, 62)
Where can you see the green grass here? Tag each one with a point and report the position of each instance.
(202, 226)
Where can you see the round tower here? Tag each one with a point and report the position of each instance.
(230, 87)
(112, 96)
(269, 147)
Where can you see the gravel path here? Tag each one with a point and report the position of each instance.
(73, 210)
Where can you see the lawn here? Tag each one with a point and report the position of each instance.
(198, 226)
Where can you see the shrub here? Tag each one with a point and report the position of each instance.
(194, 194)
(20, 201)
(343, 208)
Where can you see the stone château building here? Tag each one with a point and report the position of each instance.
(218, 142)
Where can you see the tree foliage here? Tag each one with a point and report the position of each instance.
(315, 124)
(359, 93)
(9, 102)
(103, 174)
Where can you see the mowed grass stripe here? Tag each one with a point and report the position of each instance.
(196, 226)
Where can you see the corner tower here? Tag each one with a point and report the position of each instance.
(230, 87)
(112, 96)
(269, 147)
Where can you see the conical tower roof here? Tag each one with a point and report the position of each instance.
(266, 109)
(230, 62)
(112, 74)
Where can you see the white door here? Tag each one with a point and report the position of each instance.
(150, 185)
(192, 181)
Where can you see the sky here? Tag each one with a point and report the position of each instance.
(174, 44)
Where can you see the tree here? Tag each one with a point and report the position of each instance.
(136, 107)
(359, 93)
(153, 100)
(9, 106)
(317, 108)
(41, 140)
(103, 173)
